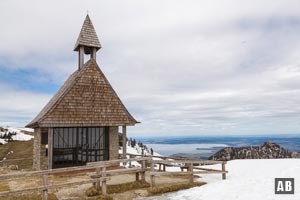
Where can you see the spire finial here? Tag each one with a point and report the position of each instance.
(88, 37)
(87, 42)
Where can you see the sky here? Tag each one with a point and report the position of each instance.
(190, 67)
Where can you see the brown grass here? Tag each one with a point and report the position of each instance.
(21, 149)
(173, 188)
(118, 188)
(100, 197)
(31, 196)
(4, 186)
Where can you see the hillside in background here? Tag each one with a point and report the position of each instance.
(267, 150)
(16, 144)
(15, 134)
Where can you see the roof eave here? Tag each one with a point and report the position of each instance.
(32, 125)
(76, 48)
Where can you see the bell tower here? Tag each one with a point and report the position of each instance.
(87, 42)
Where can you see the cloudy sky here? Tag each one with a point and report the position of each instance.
(180, 67)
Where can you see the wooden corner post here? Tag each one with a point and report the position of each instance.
(124, 141)
(223, 170)
(50, 148)
(191, 170)
(103, 184)
(45, 184)
(143, 173)
(98, 174)
(152, 177)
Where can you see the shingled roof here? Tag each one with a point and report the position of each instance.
(85, 99)
(87, 37)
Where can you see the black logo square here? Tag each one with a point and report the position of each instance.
(284, 185)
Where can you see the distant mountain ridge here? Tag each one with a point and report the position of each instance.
(265, 151)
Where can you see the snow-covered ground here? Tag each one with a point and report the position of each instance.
(246, 180)
(19, 134)
(137, 150)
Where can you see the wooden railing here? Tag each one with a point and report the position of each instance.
(185, 164)
(100, 176)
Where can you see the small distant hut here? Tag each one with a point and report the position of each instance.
(80, 123)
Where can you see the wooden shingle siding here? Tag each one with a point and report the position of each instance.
(87, 37)
(85, 99)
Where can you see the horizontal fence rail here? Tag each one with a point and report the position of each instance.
(101, 175)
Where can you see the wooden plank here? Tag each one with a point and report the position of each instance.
(209, 172)
(69, 169)
(183, 173)
(103, 182)
(98, 173)
(177, 158)
(191, 179)
(119, 172)
(50, 148)
(206, 169)
(206, 162)
(168, 173)
(41, 172)
(152, 177)
(143, 178)
(124, 141)
(45, 183)
(125, 171)
(113, 162)
(223, 169)
(137, 176)
(49, 187)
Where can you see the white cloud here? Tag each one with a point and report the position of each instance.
(181, 67)
(19, 107)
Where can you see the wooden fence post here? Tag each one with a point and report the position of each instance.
(103, 175)
(152, 177)
(143, 173)
(45, 184)
(137, 176)
(98, 172)
(223, 170)
(191, 166)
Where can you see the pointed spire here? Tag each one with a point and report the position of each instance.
(87, 37)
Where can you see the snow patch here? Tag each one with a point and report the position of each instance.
(2, 141)
(246, 180)
(20, 136)
(137, 150)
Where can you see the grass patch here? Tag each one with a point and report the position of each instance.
(99, 197)
(21, 149)
(4, 186)
(31, 196)
(172, 188)
(118, 188)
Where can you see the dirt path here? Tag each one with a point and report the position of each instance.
(78, 192)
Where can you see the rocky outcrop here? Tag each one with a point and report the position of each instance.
(264, 151)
